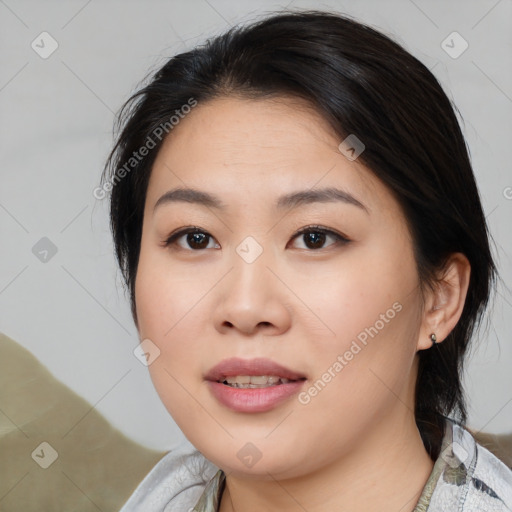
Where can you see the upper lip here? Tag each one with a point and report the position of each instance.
(260, 366)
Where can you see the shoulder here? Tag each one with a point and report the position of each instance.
(175, 483)
(486, 482)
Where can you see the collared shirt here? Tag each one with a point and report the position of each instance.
(466, 477)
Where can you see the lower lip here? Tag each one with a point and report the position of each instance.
(254, 399)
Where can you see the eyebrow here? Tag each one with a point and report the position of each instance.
(291, 200)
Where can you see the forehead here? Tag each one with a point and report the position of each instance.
(265, 129)
(239, 148)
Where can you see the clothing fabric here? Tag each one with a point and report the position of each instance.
(466, 477)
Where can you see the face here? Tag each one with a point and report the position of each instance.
(279, 278)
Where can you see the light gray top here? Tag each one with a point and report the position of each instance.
(465, 478)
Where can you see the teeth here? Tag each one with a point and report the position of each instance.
(263, 379)
(254, 381)
(239, 379)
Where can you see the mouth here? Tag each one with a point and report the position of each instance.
(251, 373)
(255, 381)
(253, 385)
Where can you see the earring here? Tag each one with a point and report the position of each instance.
(433, 338)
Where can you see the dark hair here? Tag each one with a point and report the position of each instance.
(362, 83)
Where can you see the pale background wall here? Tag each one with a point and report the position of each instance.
(55, 131)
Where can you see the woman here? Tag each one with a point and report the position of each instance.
(298, 224)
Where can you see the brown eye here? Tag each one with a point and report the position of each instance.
(314, 237)
(195, 239)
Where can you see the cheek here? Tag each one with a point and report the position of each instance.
(363, 294)
(372, 308)
(362, 374)
(170, 311)
(165, 296)
(170, 315)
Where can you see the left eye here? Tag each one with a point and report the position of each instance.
(314, 238)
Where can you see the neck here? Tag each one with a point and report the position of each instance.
(386, 471)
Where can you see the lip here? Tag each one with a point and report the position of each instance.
(252, 400)
(259, 366)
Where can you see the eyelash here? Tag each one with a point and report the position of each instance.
(340, 239)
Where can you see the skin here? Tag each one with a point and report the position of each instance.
(355, 445)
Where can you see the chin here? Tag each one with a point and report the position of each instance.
(248, 461)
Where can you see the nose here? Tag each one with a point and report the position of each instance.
(252, 300)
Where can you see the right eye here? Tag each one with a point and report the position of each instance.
(196, 238)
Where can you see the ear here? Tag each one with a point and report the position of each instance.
(444, 304)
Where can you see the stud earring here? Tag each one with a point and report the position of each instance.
(433, 338)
